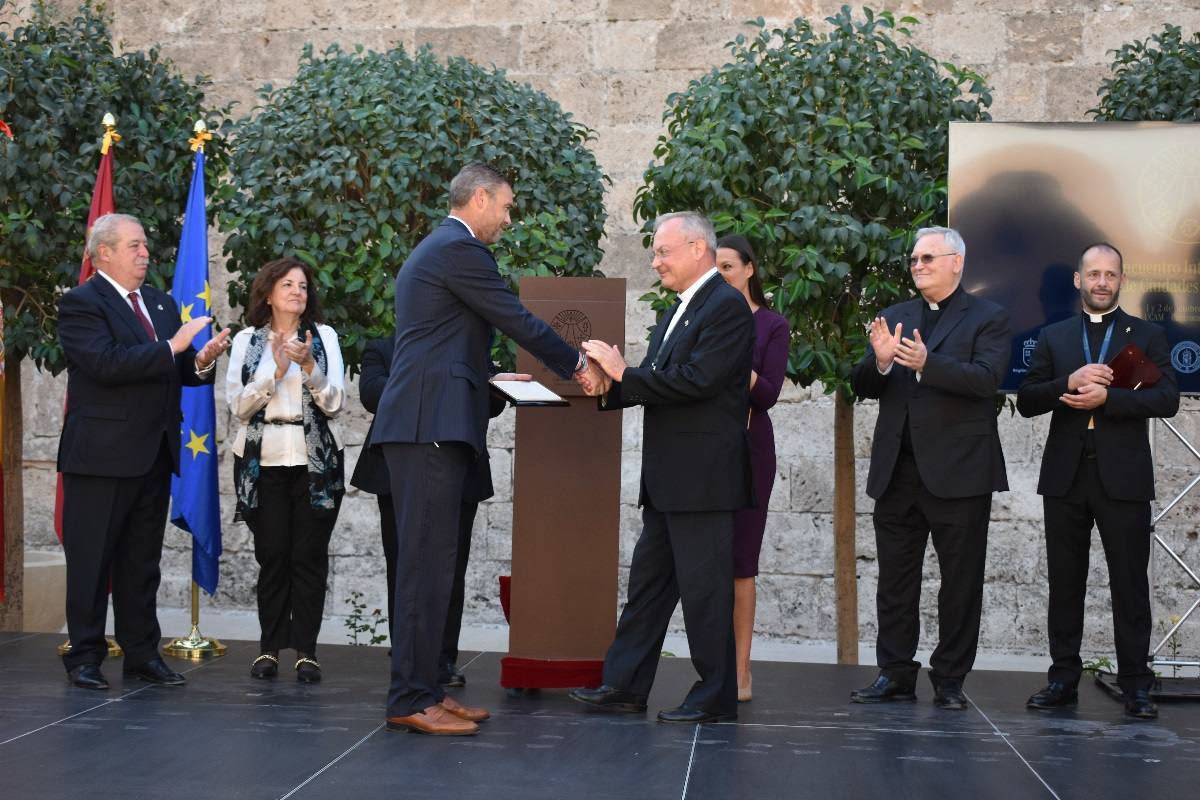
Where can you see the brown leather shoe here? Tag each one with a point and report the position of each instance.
(435, 721)
(464, 712)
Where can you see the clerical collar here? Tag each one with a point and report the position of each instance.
(1099, 317)
(938, 305)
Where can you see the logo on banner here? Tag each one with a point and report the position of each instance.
(573, 326)
(1027, 350)
(1185, 357)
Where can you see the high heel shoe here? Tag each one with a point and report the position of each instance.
(746, 693)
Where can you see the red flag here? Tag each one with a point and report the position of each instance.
(102, 203)
(7, 131)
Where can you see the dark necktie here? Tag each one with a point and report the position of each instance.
(137, 309)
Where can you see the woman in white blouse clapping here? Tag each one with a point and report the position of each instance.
(285, 385)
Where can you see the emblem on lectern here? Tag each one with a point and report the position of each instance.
(573, 326)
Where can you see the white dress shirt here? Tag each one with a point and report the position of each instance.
(282, 443)
(685, 297)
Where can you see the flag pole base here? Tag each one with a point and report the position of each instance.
(195, 646)
(114, 649)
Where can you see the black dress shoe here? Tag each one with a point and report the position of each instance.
(87, 676)
(155, 671)
(610, 699)
(694, 716)
(1140, 705)
(1054, 695)
(450, 676)
(884, 690)
(308, 670)
(949, 696)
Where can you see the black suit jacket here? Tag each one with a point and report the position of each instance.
(123, 388)
(952, 408)
(1122, 445)
(696, 394)
(449, 295)
(371, 472)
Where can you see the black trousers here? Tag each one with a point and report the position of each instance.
(906, 517)
(1125, 533)
(291, 545)
(684, 557)
(113, 527)
(427, 486)
(387, 530)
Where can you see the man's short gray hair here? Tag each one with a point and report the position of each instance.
(104, 231)
(471, 177)
(951, 237)
(694, 224)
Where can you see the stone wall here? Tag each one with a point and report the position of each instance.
(611, 63)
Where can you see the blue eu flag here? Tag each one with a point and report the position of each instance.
(194, 501)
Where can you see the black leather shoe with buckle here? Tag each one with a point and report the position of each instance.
(307, 669)
(266, 665)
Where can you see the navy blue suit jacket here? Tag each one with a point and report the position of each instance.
(123, 388)
(449, 296)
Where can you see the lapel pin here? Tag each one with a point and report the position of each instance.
(685, 322)
(160, 308)
(1127, 330)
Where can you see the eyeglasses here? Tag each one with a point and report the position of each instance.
(926, 258)
(662, 252)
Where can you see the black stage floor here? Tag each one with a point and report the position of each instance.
(226, 735)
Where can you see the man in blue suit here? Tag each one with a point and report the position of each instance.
(127, 356)
(432, 422)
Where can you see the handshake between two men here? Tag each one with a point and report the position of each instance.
(605, 365)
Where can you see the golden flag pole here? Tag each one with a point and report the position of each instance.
(110, 137)
(196, 646)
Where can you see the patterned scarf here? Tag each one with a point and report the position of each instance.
(326, 470)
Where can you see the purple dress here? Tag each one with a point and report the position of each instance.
(772, 338)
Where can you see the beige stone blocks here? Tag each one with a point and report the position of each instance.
(556, 47)
(638, 9)
(482, 44)
(1044, 38)
(695, 44)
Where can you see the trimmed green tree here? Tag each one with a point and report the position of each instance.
(1157, 78)
(58, 77)
(349, 166)
(827, 149)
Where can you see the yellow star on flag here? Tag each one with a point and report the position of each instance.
(185, 313)
(206, 296)
(197, 444)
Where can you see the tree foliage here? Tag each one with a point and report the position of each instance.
(827, 150)
(348, 168)
(58, 77)
(1157, 78)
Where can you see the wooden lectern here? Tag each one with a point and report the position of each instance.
(566, 502)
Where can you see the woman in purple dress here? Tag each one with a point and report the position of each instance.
(736, 261)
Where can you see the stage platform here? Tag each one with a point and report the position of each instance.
(225, 735)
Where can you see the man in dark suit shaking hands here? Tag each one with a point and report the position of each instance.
(127, 356)
(432, 420)
(934, 363)
(694, 385)
(1097, 468)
